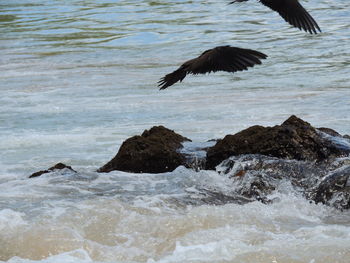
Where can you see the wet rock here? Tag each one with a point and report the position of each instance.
(333, 133)
(329, 131)
(58, 166)
(155, 151)
(256, 176)
(195, 154)
(334, 189)
(293, 139)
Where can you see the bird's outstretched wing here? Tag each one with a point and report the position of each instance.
(293, 13)
(222, 58)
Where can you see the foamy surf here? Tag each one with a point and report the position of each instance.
(120, 217)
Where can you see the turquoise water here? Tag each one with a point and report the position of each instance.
(79, 77)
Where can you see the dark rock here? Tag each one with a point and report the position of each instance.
(329, 131)
(293, 139)
(346, 136)
(256, 176)
(334, 189)
(58, 166)
(155, 151)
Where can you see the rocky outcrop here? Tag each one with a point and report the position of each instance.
(293, 139)
(159, 149)
(155, 151)
(58, 166)
(255, 163)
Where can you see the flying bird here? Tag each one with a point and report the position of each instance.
(222, 58)
(292, 12)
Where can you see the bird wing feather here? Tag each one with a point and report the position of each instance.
(293, 13)
(225, 58)
(172, 78)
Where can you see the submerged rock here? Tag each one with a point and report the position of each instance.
(293, 139)
(155, 151)
(257, 176)
(334, 189)
(329, 131)
(195, 154)
(58, 166)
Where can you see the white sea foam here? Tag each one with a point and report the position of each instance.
(10, 220)
(76, 256)
(82, 219)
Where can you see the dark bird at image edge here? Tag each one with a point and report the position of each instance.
(292, 12)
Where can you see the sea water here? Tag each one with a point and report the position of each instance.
(78, 77)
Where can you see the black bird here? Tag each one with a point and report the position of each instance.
(222, 58)
(292, 12)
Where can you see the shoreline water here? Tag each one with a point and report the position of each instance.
(78, 78)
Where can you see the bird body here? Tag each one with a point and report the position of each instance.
(292, 12)
(221, 58)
